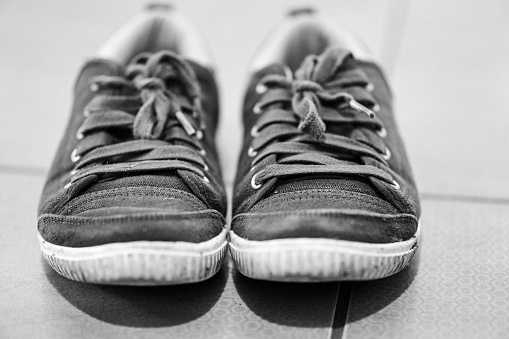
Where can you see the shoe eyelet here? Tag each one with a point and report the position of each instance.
(73, 172)
(74, 155)
(253, 182)
(203, 152)
(376, 108)
(382, 132)
(257, 109)
(261, 88)
(206, 180)
(199, 135)
(94, 87)
(251, 152)
(66, 186)
(86, 113)
(255, 132)
(395, 184)
(79, 135)
(205, 167)
(387, 155)
(370, 87)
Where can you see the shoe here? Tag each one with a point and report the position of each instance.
(324, 190)
(135, 195)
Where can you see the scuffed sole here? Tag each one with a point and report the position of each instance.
(314, 260)
(138, 262)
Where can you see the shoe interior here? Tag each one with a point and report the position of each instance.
(303, 32)
(156, 28)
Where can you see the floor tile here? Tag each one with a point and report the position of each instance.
(456, 287)
(37, 302)
(451, 86)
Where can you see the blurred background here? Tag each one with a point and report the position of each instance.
(448, 63)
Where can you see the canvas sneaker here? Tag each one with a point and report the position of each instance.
(324, 190)
(135, 195)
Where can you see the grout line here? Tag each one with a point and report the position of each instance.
(22, 170)
(341, 310)
(41, 171)
(464, 198)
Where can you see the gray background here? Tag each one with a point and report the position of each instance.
(448, 63)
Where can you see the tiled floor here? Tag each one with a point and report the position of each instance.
(458, 286)
(450, 74)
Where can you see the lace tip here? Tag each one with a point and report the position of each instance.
(361, 108)
(188, 127)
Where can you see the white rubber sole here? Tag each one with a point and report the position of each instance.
(138, 262)
(315, 259)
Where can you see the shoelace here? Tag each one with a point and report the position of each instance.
(327, 92)
(148, 120)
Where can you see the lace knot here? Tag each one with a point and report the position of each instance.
(149, 84)
(153, 114)
(305, 103)
(305, 85)
(159, 103)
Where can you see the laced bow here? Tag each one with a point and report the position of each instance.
(308, 92)
(150, 74)
(327, 88)
(158, 101)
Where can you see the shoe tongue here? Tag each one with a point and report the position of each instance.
(336, 184)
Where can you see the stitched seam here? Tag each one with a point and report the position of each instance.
(318, 193)
(148, 191)
(65, 220)
(326, 213)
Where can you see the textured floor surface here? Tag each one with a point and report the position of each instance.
(450, 75)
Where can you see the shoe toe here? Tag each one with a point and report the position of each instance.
(340, 215)
(131, 214)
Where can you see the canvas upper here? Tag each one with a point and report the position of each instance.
(322, 156)
(137, 160)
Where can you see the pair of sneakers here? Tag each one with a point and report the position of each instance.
(323, 189)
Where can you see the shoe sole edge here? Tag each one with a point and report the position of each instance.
(138, 262)
(316, 259)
